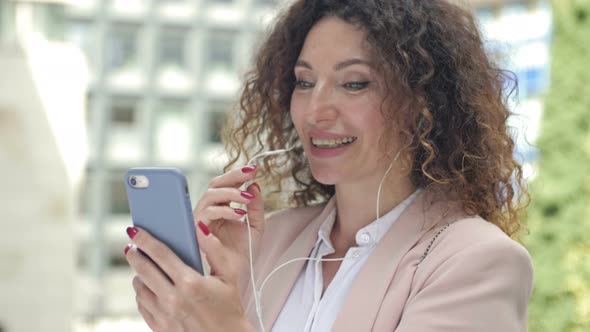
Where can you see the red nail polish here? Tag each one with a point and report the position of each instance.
(203, 228)
(132, 231)
(127, 248)
(247, 195)
(249, 169)
(240, 212)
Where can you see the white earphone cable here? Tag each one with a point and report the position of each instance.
(258, 292)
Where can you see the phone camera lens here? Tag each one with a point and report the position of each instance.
(133, 181)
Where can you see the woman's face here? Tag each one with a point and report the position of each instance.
(336, 104)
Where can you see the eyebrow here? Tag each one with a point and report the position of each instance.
(338, 66)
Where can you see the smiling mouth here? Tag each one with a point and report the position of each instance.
(332, 143)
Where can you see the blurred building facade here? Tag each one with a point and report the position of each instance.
(163, 73)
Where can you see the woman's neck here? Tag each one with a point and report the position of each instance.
(356, 205)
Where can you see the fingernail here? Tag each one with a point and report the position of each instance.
(132, 231)
(203, 228)
(240, 212)
(247, 195)
(127, 248)
(257, 186)
(249, 169)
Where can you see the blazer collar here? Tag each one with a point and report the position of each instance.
(425, 213)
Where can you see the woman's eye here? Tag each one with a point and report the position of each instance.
(356, 85)
(299, 84)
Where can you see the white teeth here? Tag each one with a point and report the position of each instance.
(331, 142)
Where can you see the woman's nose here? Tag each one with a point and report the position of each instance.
(322, 107)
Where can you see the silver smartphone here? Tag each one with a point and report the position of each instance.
(160, 203)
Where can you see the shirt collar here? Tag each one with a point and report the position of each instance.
(370, 234)
(326, 229)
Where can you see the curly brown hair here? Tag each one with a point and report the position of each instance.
(445, 94)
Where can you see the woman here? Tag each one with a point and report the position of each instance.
(401, 172)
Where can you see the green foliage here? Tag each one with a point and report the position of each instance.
(559, 217)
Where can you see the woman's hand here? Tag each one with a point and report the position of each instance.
(173, 297)
(214, 211)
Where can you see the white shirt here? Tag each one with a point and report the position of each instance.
(306, 310)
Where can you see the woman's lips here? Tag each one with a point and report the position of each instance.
(329, 152)
(332, 142)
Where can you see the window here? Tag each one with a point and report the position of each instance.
(215, 121)
(124, 139)
(124, 111)
(221, 48)
(117, 199)
(172, 130)
(123, 47)
(172, 49)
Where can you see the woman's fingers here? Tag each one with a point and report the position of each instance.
(219, 212)
(150, 320)
(187, 301)
(150, 274)
(222, 196)
(234, 178)
(144, 296)
(163, 256)
(256, 208)
(218, 256)
(213, 204)
(226, 195)
(151, 309)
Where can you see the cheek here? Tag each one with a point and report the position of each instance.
(296, 112)
(367, 117)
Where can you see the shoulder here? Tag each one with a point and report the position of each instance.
(473, 234)
(473, 248)
(475, 278)
(457, 234)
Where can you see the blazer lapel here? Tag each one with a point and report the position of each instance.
(378, 271)
(278, 287)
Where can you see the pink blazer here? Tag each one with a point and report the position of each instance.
(471, 277)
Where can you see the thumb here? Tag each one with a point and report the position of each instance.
(256, 207)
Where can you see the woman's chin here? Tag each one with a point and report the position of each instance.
(325, 177)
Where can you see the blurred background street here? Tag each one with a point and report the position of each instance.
(89, 88)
